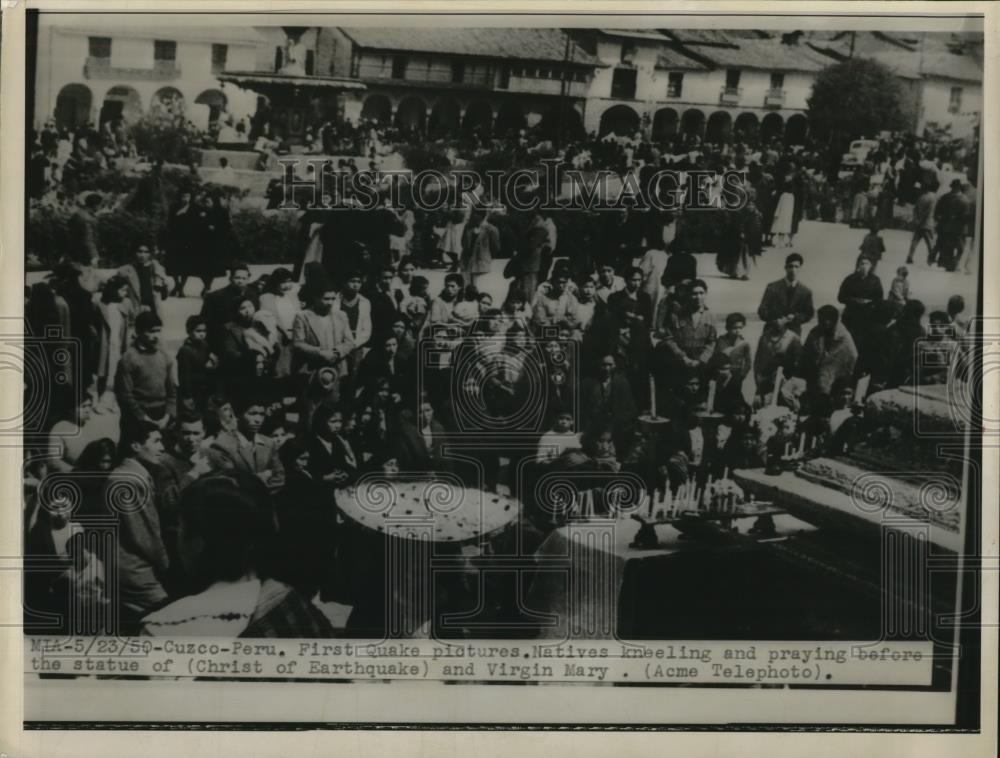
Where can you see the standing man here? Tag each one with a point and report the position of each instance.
(608, 283)
(83, 237)
(951, 216)
(321, 336)
(534, 248)
(923, 224)
(246, 449)
(480, 245)
(687, 336)
(147, 281)
(787, 302)
(142, 555)
(829, 354)
(358, 310)
(384, 306)
(641, 314)
(220, 306)
(144, 383)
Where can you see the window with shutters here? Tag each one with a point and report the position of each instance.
(219, 55)
(675, 84)
(623, 83)
(399, 67)
(99, 47)
(164, 51)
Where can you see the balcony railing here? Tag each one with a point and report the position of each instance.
(730, 95)
(101, 68)
(774, 98)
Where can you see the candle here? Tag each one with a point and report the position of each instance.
(711, 396)
(861, 388)
(802, 444)
(652, 397)
(788, 447)
(652, 499)
(778, 378)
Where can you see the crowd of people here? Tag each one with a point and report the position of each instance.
(284, 392)
(293, 385)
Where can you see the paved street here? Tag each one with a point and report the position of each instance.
(829, 251)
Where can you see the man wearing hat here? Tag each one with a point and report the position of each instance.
(950, 217)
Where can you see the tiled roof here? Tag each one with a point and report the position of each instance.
(934, 63)
(202, 32)
(650, 34)
(669, 58)
(725, 50)
(508, 43)
(700, 36)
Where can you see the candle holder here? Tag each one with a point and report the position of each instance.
(645, 538)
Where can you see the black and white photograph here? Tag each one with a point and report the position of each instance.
(633, 359)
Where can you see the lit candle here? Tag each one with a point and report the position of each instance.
(861, 388)
(711, 396)
(652, 397)
(778, 378)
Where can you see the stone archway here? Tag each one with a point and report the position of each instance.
(73, 106)
(693, 123)
(771, 127)
(620, 120)
(746, 127)
(168, 101)
(446, 118)
(665, 122)
(411, 114)
(377, 108)
(121, 102)
(795, 129)
(510, 118)
(216, 102)
(719, 127)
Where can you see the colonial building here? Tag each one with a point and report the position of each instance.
(719, 85)
(942, 75)
(639, 76)
(87, 71)
(702, 83)
(458, 80)
(757, 85)
(433, 81)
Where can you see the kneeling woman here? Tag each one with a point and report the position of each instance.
(227, 529)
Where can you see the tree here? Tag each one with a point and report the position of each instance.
(856, 98)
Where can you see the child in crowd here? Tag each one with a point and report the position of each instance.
(899, 290)
(731, 361)
(560, 438)
(872, 245)
(195, 366)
